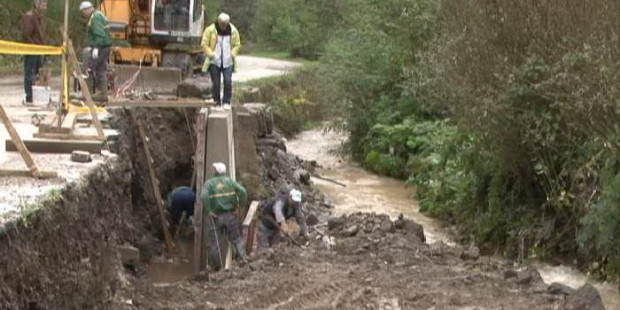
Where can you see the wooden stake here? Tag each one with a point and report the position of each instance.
(154, 185)
(19, 144)
(89, 101)
(199, 167)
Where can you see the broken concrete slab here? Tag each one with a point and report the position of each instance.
(81, 157)
(130, 256)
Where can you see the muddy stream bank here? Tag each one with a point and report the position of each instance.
(367, 192)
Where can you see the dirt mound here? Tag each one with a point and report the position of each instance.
(362, 261)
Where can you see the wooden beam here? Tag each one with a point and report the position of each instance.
(154, 185)
(69, 121)
(27, 173)
(199, 167)
(159, 104)
(89, 101)
(62, 136)
(56, 146)
(19, 144)
(249, 216)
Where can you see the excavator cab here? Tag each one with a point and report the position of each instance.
(156, 33)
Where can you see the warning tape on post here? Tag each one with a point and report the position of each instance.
(16, 48)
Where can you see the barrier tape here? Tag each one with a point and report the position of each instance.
(16, 48)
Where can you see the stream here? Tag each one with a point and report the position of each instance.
(367, 192)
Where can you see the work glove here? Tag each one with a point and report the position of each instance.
(283, 227)
(95, 53)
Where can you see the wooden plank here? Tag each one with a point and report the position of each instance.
(84, 87)
(249, 225)
(249, 216)
(19, 144)
(199, 167)
(154, 185)
(62, 136)
(69, 121)
(50, 128)
(57, 146)
(160, 104)
(27, 173)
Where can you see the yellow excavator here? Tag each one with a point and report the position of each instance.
(162, 36)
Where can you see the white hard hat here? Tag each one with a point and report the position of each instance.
(223, 17)
(85, 5)
(219, 167)
(295, 195)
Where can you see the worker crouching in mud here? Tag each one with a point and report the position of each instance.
(275, 212)
(220, 198)
(180, 200)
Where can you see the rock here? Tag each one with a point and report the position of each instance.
(529, 277)
(410, 226)
(311, 219)
(303, 176)
(335, 223)
(387, 227)
(510, 274)
(130, 256)
(351, 231)
(473, 253)
(194, 87)
(328, 242)
(585, 298)
(81, 157)
(556, 288)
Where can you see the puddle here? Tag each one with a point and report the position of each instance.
(173, 267)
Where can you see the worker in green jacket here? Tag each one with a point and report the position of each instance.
(99, 42)
(221, 196)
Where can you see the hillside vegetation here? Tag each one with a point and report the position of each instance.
(504, 115)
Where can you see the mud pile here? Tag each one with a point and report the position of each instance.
(366, 261)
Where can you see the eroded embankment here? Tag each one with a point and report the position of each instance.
(88, 247)
(65, 255)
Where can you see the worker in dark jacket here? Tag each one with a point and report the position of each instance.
(99, 41)
(221, 197)
(33, 27)
(275, 212)
(179, 200)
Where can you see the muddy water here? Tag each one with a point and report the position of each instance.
(367, 192)
(172, 267)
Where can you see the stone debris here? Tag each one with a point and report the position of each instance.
(81, 157)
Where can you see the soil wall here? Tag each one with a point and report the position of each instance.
(64, 256)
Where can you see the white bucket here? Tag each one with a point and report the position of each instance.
(41, 95)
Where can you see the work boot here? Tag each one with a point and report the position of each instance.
(241, 257)
(102, 96)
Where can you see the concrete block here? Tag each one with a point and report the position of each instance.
(81, 157)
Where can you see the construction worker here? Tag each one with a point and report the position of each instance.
(221, 43)
(99, 41)
(221, 197)
(180, 199)
(33, 27)
(274, 214)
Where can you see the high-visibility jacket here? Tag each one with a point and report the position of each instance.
(221, 194)
(209, 43)
(98, 32)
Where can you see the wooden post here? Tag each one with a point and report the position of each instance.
(154, 184)
(89, 101)
(249, 225)
(19, 144)
(65, 81)
(199, 167)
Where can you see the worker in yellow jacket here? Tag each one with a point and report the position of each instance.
(221, 43)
